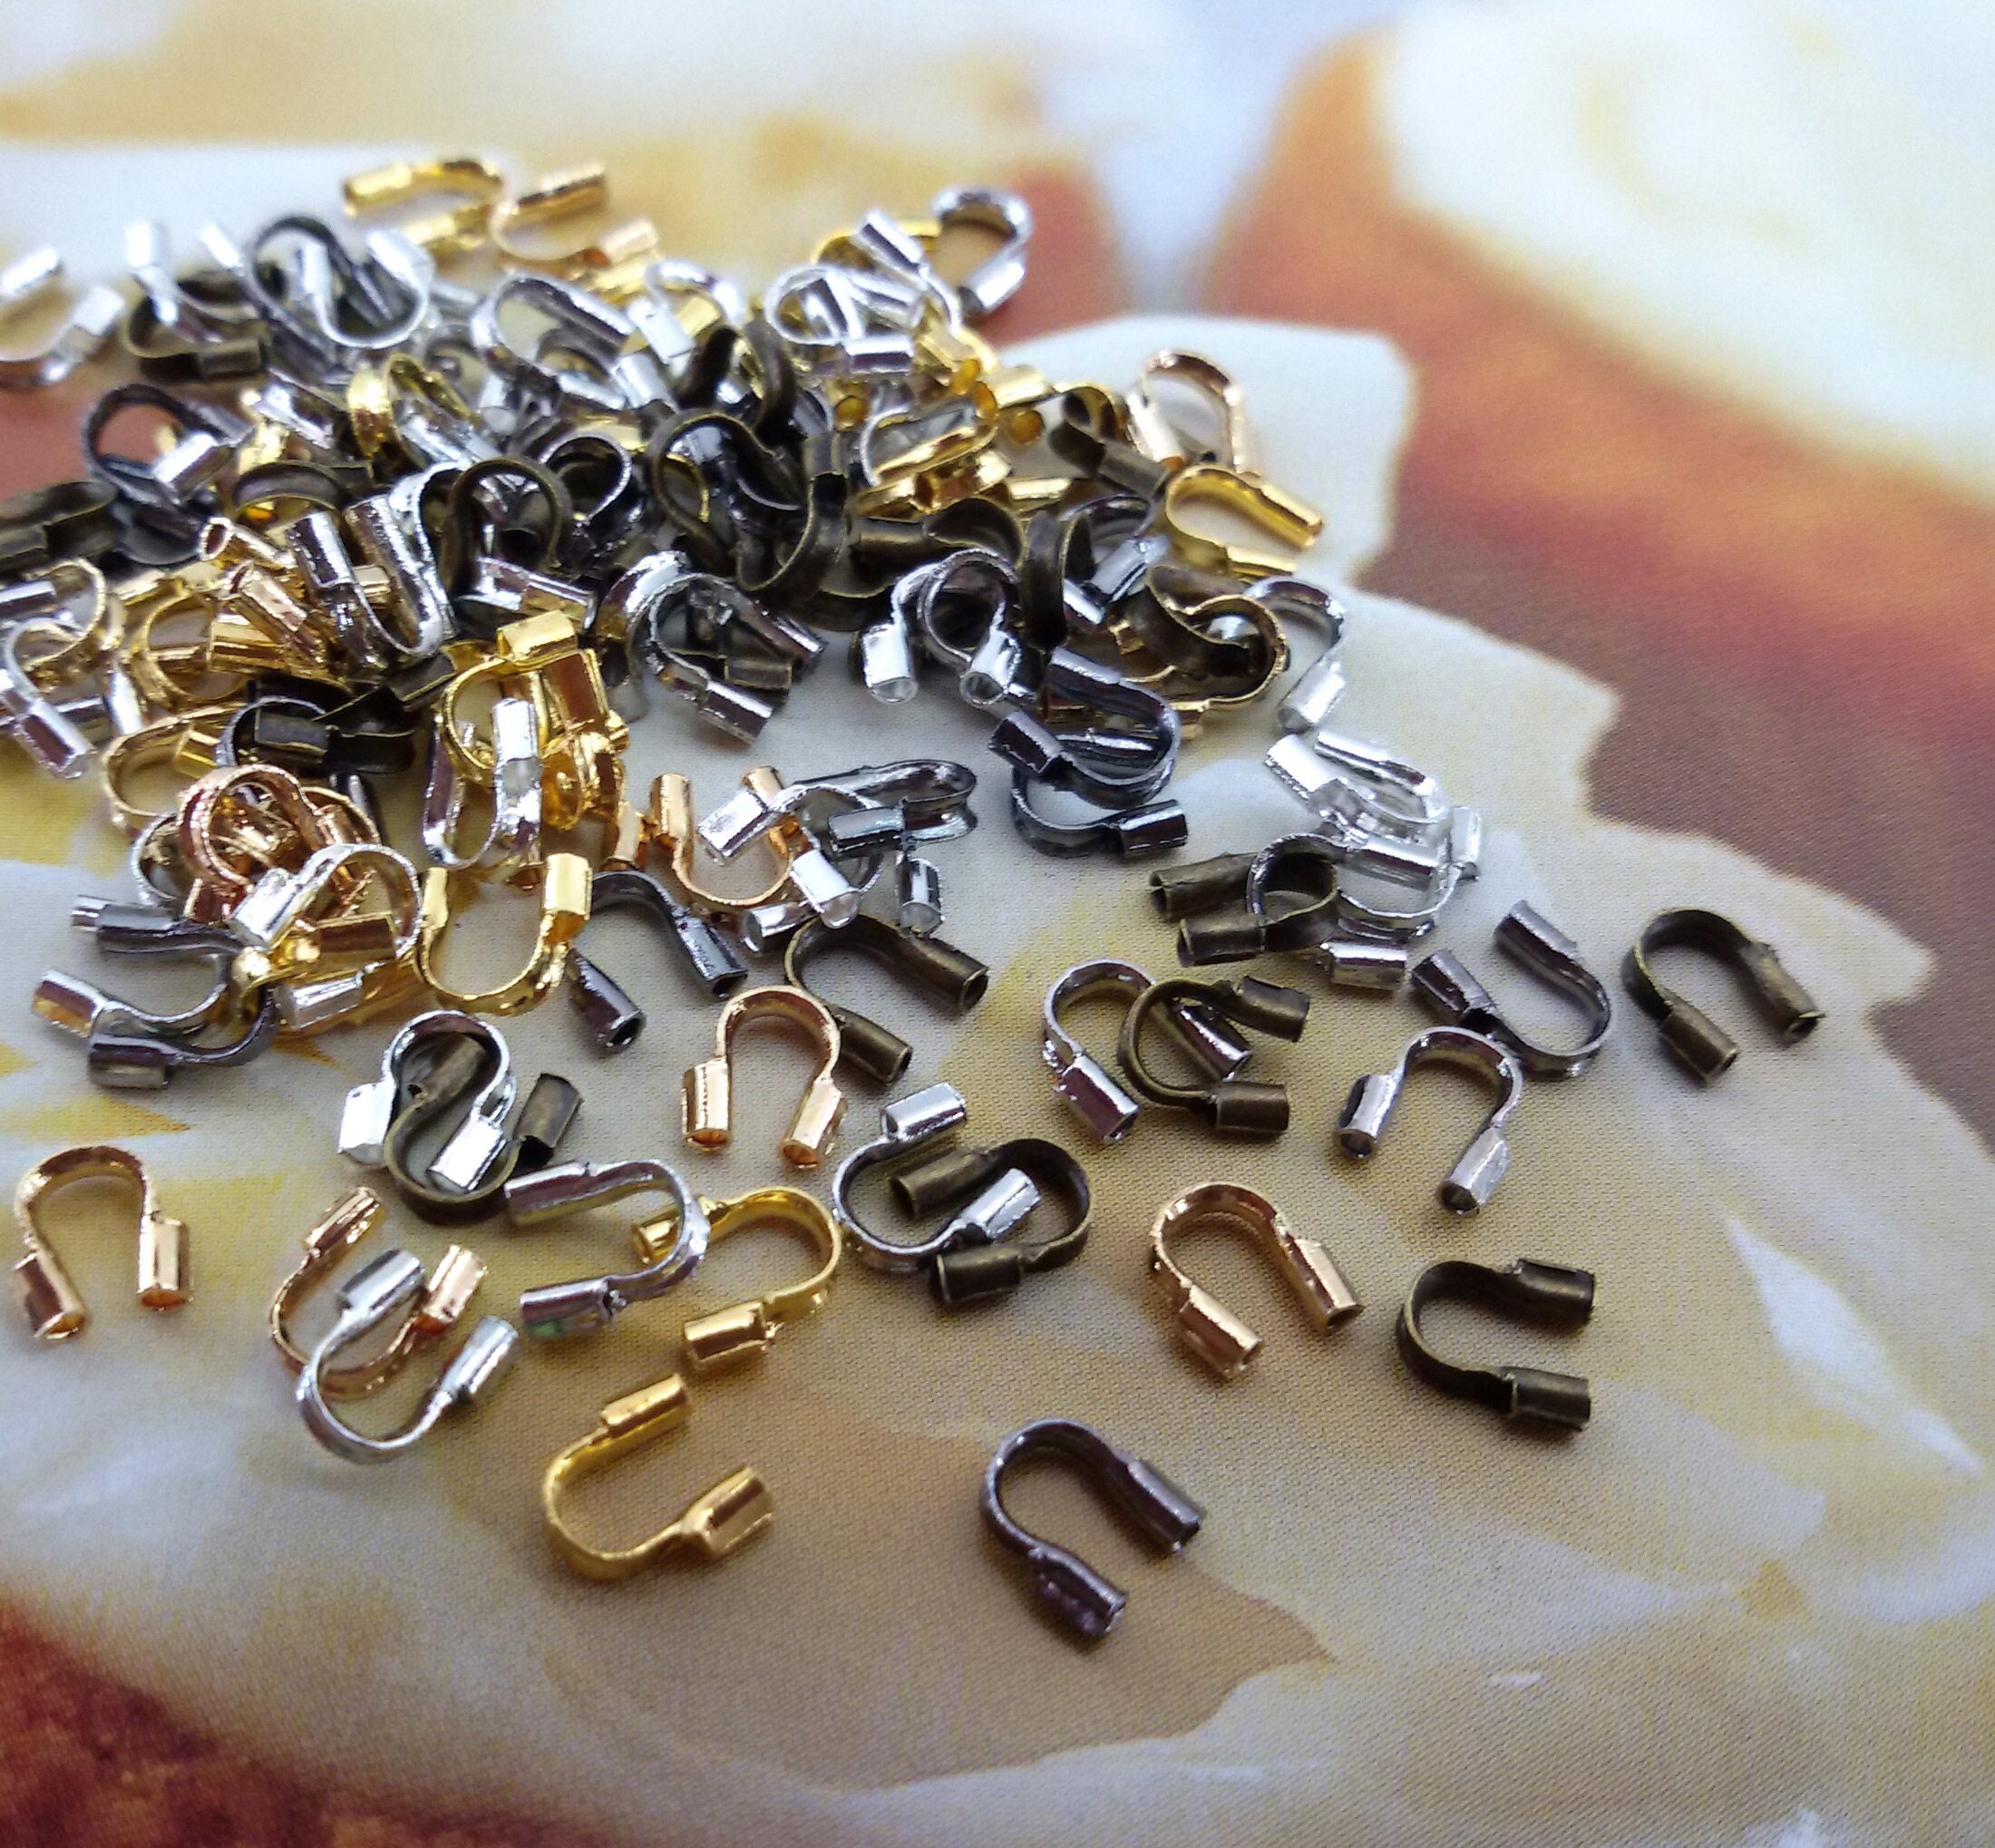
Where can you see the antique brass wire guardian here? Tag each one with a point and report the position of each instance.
(1445, 982)
(538, 1130)
(952, 976)
(995, 1191)
(564, 910)
(1073, 1593)
(1486, 1159)
(1523, 1292)
(707, 1098)
(383, 1288)
(553, 1311)
(745, 1330)
(1302, 863)
(371, 1108)
(1239, 1107)
(1693, 1039)
(446, 1295)
(1204, 1324)
(711, 1526)
(54, 1305)
(921, 1120)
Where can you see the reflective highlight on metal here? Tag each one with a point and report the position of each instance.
(921, 1120)
(1550, 1295)
(1237, 1107)
(746, 1330)
(51, 1302)
(1206, 1326)
(1447, 987)
(1483, 1163)
(707, 1095)
(711, 1526)
(1081, 1600)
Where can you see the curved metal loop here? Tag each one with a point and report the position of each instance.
(82, 333)
(672, 826)
(1114, 766)
(585, 325)
(927, 797)
(468, 1178)
(1524, 1290)
(989, 662)
(564, 910)
(446, 1295)
(1302, 863)
(1486, 1159)
(1085, 1083)
(1129, 834)
(76, 1006)
(123, 1058)
(1238, 1107)
(1313, 695)
(381, 1289)
(746, 1330)
(370, 1110)
(1289, 525)
(1204, 1324)
(614, 1020)
(54, 1308)
(1445, 984)
(994, 1191)
(1157, 435)
(554, 1311)
(554, 198)
(455, 232)
(951, 976)
(512, 835)
(710, 1526)
(995, 280)
(306, 923)
(319, 276)
(707, 1098)
(1087, 1604)
(907, 1126)
(1693, 1039)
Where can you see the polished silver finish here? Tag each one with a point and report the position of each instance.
(476, 1143)
(1451, 990)
(908, 1126)
(1486, 1159)
(380, 1292)
(554, 1311)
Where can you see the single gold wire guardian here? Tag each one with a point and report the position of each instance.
(745, 1331)
(711, 1526)
(1205, 1325)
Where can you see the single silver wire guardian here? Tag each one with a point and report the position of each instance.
(1483, 1163)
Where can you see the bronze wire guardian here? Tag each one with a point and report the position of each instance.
(1696, 1041)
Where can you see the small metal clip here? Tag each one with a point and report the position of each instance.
(537, 1132)
(564, 910)
(745, 1331)
(445, 1296)
(553, 1311)
(1303, 863)
(370, 1109)
(708, 1097)
(1486, 1159)
(1084, 1082)
(1524, 1290)
(1445, 984)
(1150, 828)
(673, 828)
(1287, 522)
(1075, 1595)
(995, 1191)
(54, 1307)
(614, 1020)
(81, 336)
(712, 1525)
(378, 1290)
(1204, 1324)
(907, 1127)
(1239, 1107)
(1698, 1041)
(952, 976)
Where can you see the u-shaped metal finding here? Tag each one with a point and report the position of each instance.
(1084, 1082)
(951, 975)
(553, 1311)
(1524, 1290)
(1204, 1324)
(445, 1296)
(674, 828)
(1288, 523)
(1130, 834)
(485, 1144)
(380, 1289)
(1077, 1596)
(1115, 767)
(712, 1525)
(54, 1307)
(707, 1098)
(1241, 1107)
(907, 1126)
(564, 910)
(1693, 1039)
(1451, 990)
(745, 1329)
(994, 1191)
(1304, 863)
(371, 1108)
(1486, 1159)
